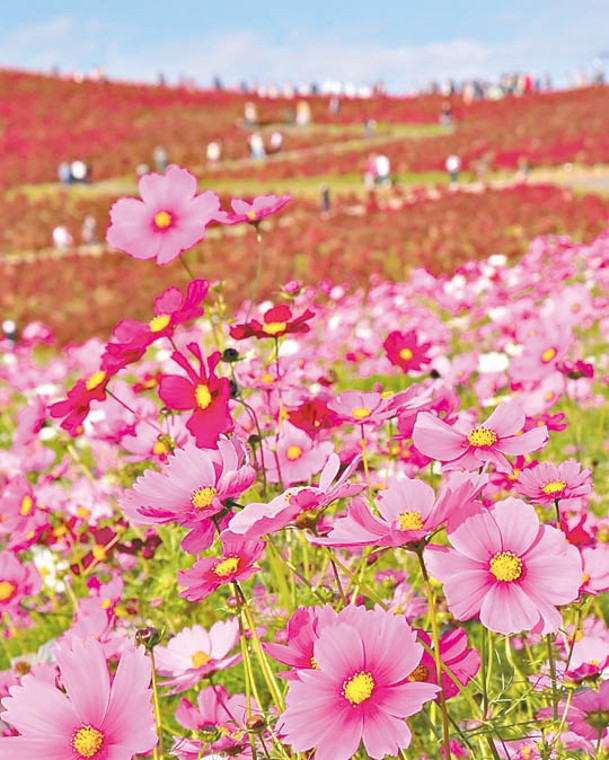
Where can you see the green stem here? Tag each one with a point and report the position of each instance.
(157, 752)
(438, 660)
(553, 676)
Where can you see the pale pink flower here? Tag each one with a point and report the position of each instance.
(507, 569)
(294, 457)
(254, 212)
(546, 483)
(258, 519)
(17, 580)
(170, 217)
(195, 653)
(96, 719)
(467, 447)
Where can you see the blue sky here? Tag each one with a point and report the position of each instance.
(404, 43)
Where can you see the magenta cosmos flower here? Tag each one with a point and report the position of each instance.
(130, 338)
(507, 569)
(276, 322)
(74, 410)
(170, 218)
(462, 662)
(254, 212)
(189, 489)
(207, 574)
(462, 446)
(194, 653)
(203, 392)
(360, 689)
(96, 719)
(405, 351)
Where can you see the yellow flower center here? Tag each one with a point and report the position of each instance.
(203, 497)
(548, 355)
(95, 380)
(88, 741)
(482, 437)
(358, 688)
(163, 219)
(199, 659)
(420, 673)
(99, 553)
(406, 354)
(313, 663)
(251, 215)
(227, 566)
(294, 453)
(267, 378)
(203, 396)
(410, 521)
(549, 396)
(506, 567)
(274, 328)
(554, 486)
(160, 448)
(159, 323)
(7, 591)
(26, 505)
(361, 413)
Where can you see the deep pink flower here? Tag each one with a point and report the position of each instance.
(254, 212)
(203, 392)
(189, 489)
(169, 219)
(359, 691)
(76, 407)
(547, 482)
(312, 416)
(405, 351)
(207, 574)
(462, 446)
(130, 339)
(194, 653)
(276, 323)
(463, 662)
(507, 569)
(95, 719)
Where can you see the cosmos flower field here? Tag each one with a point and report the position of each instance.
(344, 523)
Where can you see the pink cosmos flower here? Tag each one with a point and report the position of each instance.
(359, 408)
(75, 409)
(405, 351)
(254, 212)
(169, 219)
(194, 653)
(296, 504)
(130, 339)
(359, 691)
(17, 581)
(96, 719)
(545, 483)
(588, 715)
(21, 518)
(189, 489)
(203, 392)
(295, 458)
(408, 512)
(215, 709)
(507, 569)
(207, 574)
(277, 322)
(463, 662)
(462, 446)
